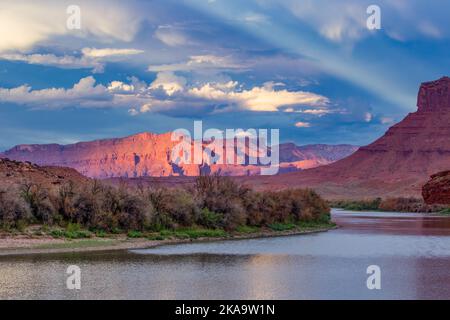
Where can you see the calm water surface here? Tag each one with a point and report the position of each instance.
(412, 250)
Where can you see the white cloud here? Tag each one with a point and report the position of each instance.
(201, 62)
(336, 21)
(264, 98)
(345, 21)
(120, 87)
(256, 18)
(171, 36)
(133, 112)
(146, 107)
(301, 124)
(85, 93)
(90, 58)
(108, 52)
(168, 92)
(23, 24)
(169, 82)
(65, 61)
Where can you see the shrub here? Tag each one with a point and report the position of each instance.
(282, 226)
(39, 202)
(14, 212)
(223, 196)
(408, 205)
(209, 219)
(400, 204)
(134, 234)
(358, 205)
(214, 202)
(134, 212)
(247, 229)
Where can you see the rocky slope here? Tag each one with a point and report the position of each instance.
(15, 173)
(149, 155)
(397, 164)
(437, 189)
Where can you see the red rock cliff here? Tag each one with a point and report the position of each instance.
(397, 164)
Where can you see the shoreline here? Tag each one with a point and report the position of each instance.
(54, 246)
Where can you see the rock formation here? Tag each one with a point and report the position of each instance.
(149, 155)
(437, 189)
(397, 164)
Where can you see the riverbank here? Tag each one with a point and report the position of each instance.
(390, 205)
(20, 244)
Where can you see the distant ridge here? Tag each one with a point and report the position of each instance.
(149, 155)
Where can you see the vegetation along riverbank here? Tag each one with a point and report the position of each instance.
(102, 216)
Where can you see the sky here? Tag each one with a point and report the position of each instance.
(312, 69)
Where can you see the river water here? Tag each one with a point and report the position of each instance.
(411, 250)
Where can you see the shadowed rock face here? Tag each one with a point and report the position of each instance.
(437, 189)
(397, 164)
(149, 155)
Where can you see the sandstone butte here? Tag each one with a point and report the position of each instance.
(149, 155)
(397, 164)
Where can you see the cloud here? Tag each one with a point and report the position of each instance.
(24, 24)
(65, 61)
(85, 93)
(201, 62)
(345, 21)
(301, 124)
(256, 18)
(167, 93)
(430, 30)
(263, 98)
(168, 82)
(90, 58)
(368, 117)
(109, 52)
(336, 21)
(171, 36)
(318, 112)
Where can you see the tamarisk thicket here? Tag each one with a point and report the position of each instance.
(212, 202)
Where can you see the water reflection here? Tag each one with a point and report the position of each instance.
(412, 250)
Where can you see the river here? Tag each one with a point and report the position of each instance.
(411, 250)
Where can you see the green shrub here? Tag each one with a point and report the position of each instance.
(134, 234)
(247, 229)
(100, 233)
(209, 219)
(57, 233)
(194, 233)
(282, 226)
(70, 234)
